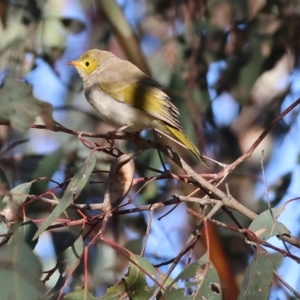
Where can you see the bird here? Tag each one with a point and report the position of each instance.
(126, 98)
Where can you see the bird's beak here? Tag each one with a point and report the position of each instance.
(74, 63)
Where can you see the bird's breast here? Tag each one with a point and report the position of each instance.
(117, 113)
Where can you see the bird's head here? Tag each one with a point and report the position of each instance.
(90, 61)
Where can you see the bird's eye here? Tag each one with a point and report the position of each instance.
(87, 63)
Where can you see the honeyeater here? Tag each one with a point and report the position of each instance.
(126, 97)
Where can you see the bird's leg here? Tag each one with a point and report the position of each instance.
(111, 135)
(159, 154)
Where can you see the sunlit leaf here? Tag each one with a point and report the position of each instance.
(51, 34)
(264, 227)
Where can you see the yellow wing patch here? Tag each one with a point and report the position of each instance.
(150, 99)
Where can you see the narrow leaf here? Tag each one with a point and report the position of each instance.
(20, 272)
(67, 262)
(28, 230)
(258, 277)
(202, 282)
(19, 193)
(73, 190)
(5, 231)
(79, 295)
(134, 283)
(46, 168)
(265, 227)
(68, 259)
(10, 205)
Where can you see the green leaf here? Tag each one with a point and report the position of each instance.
(67, 262)
(68, 259)
(26, 230)
(276, 259)
(250, 71)
(20, 107)
(135, 245)
(18, 230)
(10, 206)
(202, 280)
(168, 281)
(278, 189)
(264, 227)
(46, 168)
(258, 277)
(20, 272)
(73, 190)
(134, 284)
(79, 295)
(4, 230)
(150, 192)
(19, 193)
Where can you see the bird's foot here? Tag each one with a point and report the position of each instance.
(111, 135)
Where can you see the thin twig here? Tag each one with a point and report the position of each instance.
(286, 284)
(147, 232)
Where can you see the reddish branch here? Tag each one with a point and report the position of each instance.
(220, 198)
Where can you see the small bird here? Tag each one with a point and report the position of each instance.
(127, 98)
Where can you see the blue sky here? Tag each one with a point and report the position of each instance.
(284, 157)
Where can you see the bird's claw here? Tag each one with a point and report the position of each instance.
(111, 135)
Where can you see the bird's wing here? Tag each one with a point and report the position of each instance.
(145, 93)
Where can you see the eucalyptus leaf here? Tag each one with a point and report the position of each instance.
(134, 283)
(20, 272)
(68, 259)
(46, 168)
(67, 262)
(79, 295)
(11, 205)
(258, 277)
(17, 230)
(19, 193)
(26, 230)
(19, 106)
(5, 231)
(202, 282)
(72, 192)
(264, 226)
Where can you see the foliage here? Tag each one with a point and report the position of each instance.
(129, 218)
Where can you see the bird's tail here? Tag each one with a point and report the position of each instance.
(182, 139)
